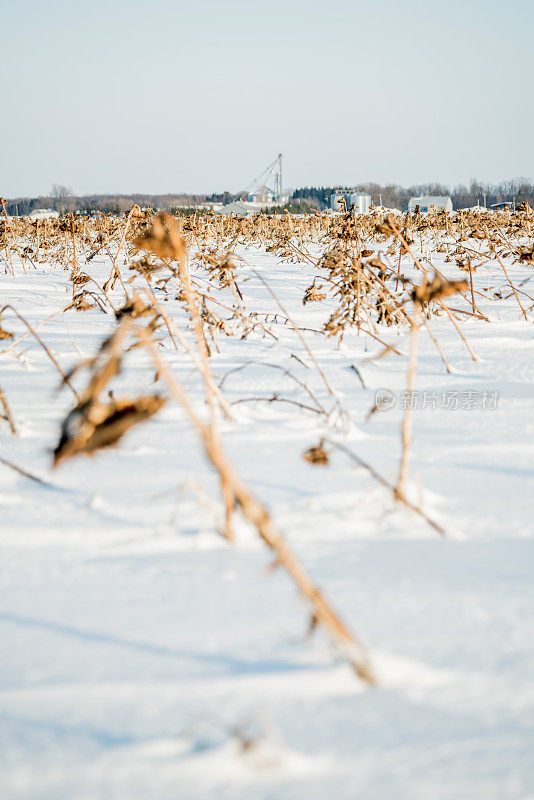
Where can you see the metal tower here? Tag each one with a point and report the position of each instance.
(274, 171)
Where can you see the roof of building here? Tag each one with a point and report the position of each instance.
(241, 207)
(42, 213)
(431, 199)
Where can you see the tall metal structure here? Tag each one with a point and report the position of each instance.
(278, 176)
(259, 186)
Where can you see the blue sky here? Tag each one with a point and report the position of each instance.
(162, 96)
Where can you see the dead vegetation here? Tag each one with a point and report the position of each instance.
(375, 272)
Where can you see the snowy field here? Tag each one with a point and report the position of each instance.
(143, 656)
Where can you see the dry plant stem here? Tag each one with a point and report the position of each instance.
(25, 473)
(406, 429)
(276, 398)
(255, 324)
(393, 489)
(297, 331)
(399, 235)
(74, 259)
(200, 363)
(209, 384)
(512, 286)
(287, 372)
(185, 277)
(255, 513)
(431, 334)
(45, 348)
(438, 348)
(448, 312)
(105, 294)
(398, 268)
(388, 347)
(471, 286)
(9, 415)
(160, 310)
(116, 271)
(214, 436)
(8, 227)
(31, 331)
(207, 503)
(478, 314)
(382, 354)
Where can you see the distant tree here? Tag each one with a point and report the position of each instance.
(222, 197)
(317, 195)
(390, 195)
(63, 198)
(294, 207)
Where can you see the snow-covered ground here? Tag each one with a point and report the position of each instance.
(141, 654)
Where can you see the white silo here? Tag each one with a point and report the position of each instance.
(361, 202)
(337, 201)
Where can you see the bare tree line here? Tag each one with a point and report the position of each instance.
(463, 196)
(62, 199)
(391, 195)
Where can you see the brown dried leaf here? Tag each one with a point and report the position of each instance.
(377, 263)
(526, 254)
(80, 303)
(80, 279)
(135, 308)
(437, 289)
(5, 334)
(388, 226)
(316, 455)
(93, 426)
(162, 238)
(313, 294)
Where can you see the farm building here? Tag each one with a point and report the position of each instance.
(44, 213)
(341, 199)
(361, 202)
(337, 201)
(240, 208)
(258, 196)
(426, 202)
(262, 195)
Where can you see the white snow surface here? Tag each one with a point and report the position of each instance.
(136, 642)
